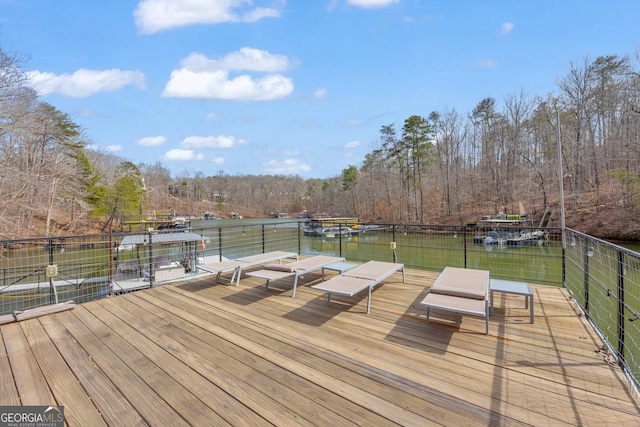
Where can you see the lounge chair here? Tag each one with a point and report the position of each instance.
(460, 290)
(298, 269)
(354, 281)
(236, 265)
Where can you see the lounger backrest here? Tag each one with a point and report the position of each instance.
(287, 268)
(305, 264)
(371, 270)
(461, 282)
(458, 292)
(256, 258)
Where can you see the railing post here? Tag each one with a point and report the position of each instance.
(586, 276)
(464, 236)
(621, 308)
(152, 265)
(299, 237)
(220, 243)
(263, 243)
(339, 239)
(52, 291)
(564, 261)
(393, 233)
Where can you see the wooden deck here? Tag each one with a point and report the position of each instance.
(201, 354)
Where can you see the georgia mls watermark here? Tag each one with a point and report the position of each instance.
(31, 416)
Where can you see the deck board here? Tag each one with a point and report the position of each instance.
(441, 378)
(30, 382)
(110, 402)
(147, 402)
(8, 389)
(203, 353)
(60, 379)
(168, 334)
(243, 348)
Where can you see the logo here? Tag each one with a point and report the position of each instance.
(31, 416)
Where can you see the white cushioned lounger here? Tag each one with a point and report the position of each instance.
(356, 280)
(460, 290)
(236, 265)
(298, 269)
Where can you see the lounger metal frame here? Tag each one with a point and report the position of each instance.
(270, 275)
(249, 261)
(483, 281)
(359, 274)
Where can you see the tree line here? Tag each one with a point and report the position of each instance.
(446, 163)
(495, 157)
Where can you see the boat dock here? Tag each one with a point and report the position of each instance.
(202, 353)
(331, 222)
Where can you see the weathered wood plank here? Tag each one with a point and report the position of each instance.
(8, 391)
(551, 405)
(30, 382)
(334, 342)
(343, 389)
(79, 409)
(235, 365)
(118, 337)
(274, 380)
(154, 334)
(111, 403)
(151, 407)
(357, 373)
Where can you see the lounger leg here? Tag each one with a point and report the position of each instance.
(295, 285)
(266, 286)
(428, 314)
(328, 298)
(486, 316)
(239, 272)
(491, 297)
(403, 278)
(369, 300)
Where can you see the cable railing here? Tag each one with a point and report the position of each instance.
(603, 278)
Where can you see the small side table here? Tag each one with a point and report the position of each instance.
(340, 267)
(515, 288)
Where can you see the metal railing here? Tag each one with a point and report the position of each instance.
(603, 278)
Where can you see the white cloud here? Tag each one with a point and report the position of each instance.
(152, 16)
(179, 154)
(320, 93)
(260, 12)
(352, 144)
(507, 27)
(245, 59)
(351, 123)
(218, 160)
(285, 167)
(221, 141)
(369, 4)
(151, 141)
(83, 83)
(211, 117)
(485, 63)
(201, 77)
(113, 148)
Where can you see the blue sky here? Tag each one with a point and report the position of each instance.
(295, 87)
